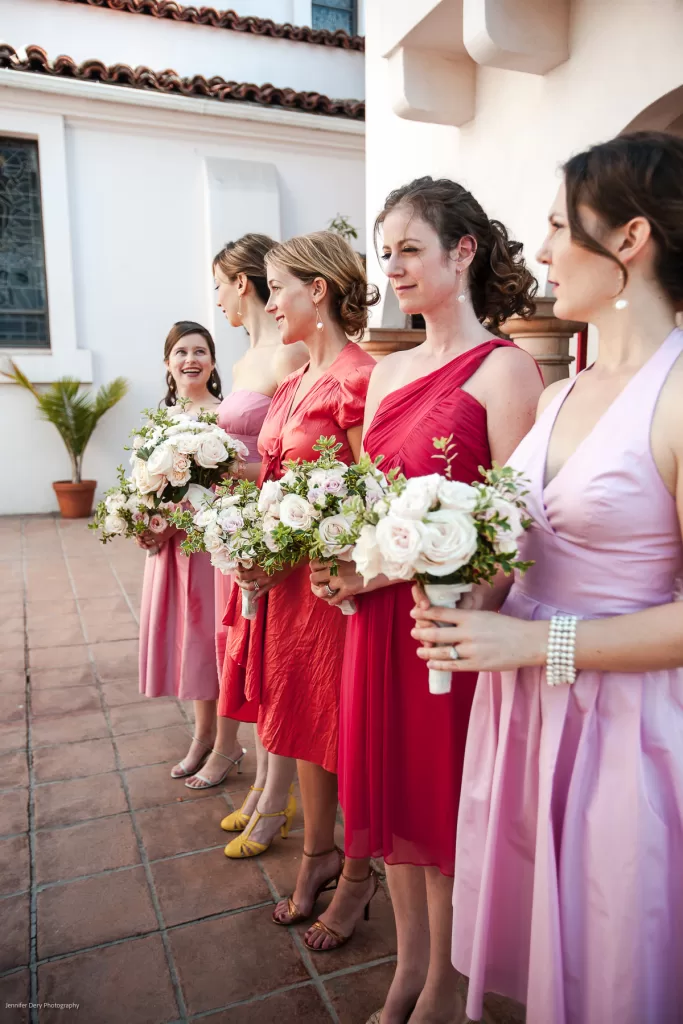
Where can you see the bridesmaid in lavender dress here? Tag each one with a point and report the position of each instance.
(242, 293)
(568, 882)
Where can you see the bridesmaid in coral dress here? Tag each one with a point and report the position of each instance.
(242, 293)
(401, 748)
(568, 891)
(295, 646)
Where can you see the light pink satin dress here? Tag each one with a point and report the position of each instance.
(568, 890)
(241, 413)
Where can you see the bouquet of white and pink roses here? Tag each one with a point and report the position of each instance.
(318, 508)
(125, 513)
(227, 525)
(446, 534)
(175, 454)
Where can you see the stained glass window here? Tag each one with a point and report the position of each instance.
(335, 14)
(23, 287)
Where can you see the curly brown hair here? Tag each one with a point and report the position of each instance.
(500, 283)
(634, 175)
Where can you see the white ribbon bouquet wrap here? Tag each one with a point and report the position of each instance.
(446, 534)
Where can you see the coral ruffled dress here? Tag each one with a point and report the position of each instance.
(241, 414)
(283, 670)
(401, 747)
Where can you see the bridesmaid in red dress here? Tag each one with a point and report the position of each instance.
(288, 662)
(401, 748)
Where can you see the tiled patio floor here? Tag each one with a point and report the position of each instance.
(114, 891)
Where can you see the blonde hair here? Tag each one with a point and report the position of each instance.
(327, 255)
(247, 256)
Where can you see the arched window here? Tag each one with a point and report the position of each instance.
(334, 15)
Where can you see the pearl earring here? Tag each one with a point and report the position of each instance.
(461, 296)
(621, 304)
(239, 308)
(318, 322)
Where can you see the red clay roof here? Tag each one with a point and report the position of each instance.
(216, 88)
(230, 20)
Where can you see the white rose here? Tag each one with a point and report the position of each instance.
(114, 502)
(240, 449)
(271, 494)
(367, 555)
(250, 511)
(213, 541)
(316, 496)
(417, 498)
(316, 478)
(230, 521)
(373, 489)
(382, 507)
(180, 471)
(289, 479)
(187, 443)
(456, 495)
(133, 502)
(160, 461)
(449, 540)
(223, 561)
(211, 451)
(297, 513)
(146, 482)
(330, 531)
(506, 538)
(335, 483)
(204, 517)
(400, 540)
(138, 442)
(115, 524)
(157, 523)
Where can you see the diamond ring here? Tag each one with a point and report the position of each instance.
(453, 653)
(330, 591)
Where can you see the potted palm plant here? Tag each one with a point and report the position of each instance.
(75, 415)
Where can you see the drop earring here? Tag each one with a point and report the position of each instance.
(461, 296)
(239, 308)
(621, 303)
(318, 322)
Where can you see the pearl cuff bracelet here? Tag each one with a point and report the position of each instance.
(560, 667)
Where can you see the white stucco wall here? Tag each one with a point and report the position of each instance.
(625, 54)
(117, 37)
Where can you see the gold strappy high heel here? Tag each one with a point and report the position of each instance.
(339, 940)
(237, 821)
(294, 915)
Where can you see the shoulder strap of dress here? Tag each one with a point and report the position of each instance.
(457, 372)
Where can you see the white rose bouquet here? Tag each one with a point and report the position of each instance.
(174, 451)
(318, 508)
(228, 526)
(446, 534)
(125, 513)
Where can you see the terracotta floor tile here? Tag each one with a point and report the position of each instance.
(151, 747)
(206, 883)
(59, 657)
(16, 988)
(94, 910)
(12, 708)
(372, 940)
(97, 607)
(64, 803)
(13, 661)
(45, 611)
(73, 760)
(64, 700)
(139, 717)
(356, 996)
(73, 675)
(13, 811)
(262, 956)
(86, 725)
(14, 948)
(13, 682)
(116, 660)
(54, 618)
(14, 865)
(113, 628)
(302, 1005)
(96, 586)
(180, 828)
(124, 691)
(282, 862)
(13, 642)
(11, 623)
(94, 981)
(12, 737)
(85, 849)
(60, 636)
(13, 769)
(152, 785)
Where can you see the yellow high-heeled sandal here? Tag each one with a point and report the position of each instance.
(339, 940)
(242, 846)
(237, 821)
(294, 915)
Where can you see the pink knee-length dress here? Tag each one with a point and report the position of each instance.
(568, 890)
(241, 413)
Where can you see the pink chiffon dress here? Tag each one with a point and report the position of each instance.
(568, 890)
(241, 414)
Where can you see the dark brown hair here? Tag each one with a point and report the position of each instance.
(247, 256)
(326, 254)
(180, 330)
(499, 280)
(635, 175)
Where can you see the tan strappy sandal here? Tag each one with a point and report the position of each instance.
(294, 915)
(338, 939)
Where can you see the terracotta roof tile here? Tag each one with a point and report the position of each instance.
(230, 20)
(36, 60)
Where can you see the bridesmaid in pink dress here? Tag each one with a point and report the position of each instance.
(568, 885)
(177, 650)
(242, 293)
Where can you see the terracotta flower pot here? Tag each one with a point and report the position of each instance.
(75, 500)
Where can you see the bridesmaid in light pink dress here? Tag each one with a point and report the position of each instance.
(568, 875)
(242, 293)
